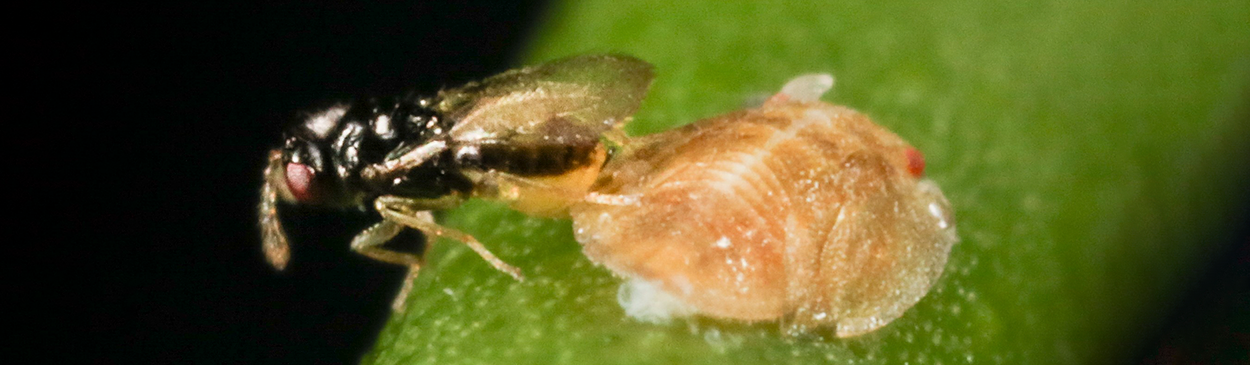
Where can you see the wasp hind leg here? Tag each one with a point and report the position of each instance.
(415, 213)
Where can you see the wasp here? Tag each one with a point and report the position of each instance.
(533, 137)
(796, 210)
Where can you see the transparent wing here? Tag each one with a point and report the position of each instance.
(562, 101)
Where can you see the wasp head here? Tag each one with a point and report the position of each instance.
(301, 172)
(307, 172)
(304, 174)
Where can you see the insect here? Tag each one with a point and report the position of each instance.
(796, 210)
(532, 137)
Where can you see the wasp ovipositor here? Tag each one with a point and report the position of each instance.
(531, 137)
(796, 210)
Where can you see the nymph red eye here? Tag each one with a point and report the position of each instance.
(915, 162)
(299, 180)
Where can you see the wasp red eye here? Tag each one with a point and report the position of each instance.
(299, 179)
(915, 162)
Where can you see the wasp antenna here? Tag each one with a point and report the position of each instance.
(273, 239)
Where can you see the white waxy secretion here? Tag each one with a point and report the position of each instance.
(797, 210)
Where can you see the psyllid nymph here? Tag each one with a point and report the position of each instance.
(797, 210)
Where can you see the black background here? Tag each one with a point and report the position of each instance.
(139, 154)
(163, 168)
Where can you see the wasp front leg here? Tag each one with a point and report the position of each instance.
(369, 243)
(415, 213)
(399, 166)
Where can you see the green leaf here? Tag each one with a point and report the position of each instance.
(1095, 153)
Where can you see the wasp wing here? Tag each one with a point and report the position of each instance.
(569, 100)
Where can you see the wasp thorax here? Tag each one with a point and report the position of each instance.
(797, 210)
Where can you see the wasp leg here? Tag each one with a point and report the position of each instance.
(415, 213)
(369, 243)
(399, 166)
(508, 186)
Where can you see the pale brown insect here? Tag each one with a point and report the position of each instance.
(797, 210)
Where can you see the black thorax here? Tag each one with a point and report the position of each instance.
(376, 130)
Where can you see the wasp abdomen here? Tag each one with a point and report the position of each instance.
(533, 160)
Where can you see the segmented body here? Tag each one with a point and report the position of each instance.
(534, 160)
(797, 210)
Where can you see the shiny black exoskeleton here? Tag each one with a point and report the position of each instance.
(376, 130)
(336, 151)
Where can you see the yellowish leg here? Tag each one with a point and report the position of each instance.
(415, 214)
(398, 166)
(369, 243)
(401, 298)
